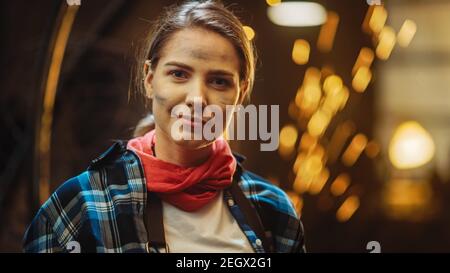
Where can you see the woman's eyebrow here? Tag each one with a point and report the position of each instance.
(216, 72)
(220, 72)
(182, 65)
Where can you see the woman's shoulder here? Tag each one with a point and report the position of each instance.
(114, 175)
(276, 211)
(111, 185)
(261, 191)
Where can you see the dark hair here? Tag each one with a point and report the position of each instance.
(209, 14)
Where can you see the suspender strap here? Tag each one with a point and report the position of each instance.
(250, 214)
(155, 225)
(154, 222)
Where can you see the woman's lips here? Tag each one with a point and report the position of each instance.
(190, 120)
(193, 122)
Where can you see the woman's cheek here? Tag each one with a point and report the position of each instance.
(226, 98)
(169, 96)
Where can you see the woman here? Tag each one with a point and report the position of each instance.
(165, 191)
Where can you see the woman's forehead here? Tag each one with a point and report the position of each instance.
(201, 45)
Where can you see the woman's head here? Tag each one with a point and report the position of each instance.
(196, 52)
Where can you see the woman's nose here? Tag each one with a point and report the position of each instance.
(196, 96)
(196, 103)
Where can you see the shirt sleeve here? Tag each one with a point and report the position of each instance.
(40, 236)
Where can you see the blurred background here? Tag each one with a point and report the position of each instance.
(364, 95)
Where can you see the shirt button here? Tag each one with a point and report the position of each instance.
(258, 242)
(230, 202)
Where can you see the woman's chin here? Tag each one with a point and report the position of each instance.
(190, 140)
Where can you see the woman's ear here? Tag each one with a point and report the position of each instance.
(243, 92)
(148, 78)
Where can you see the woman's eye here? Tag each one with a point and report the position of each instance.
(179, 74)
(219, 82)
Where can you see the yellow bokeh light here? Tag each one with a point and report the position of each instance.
(408, 199)
(372, 149)
(365, 24)
(319, 151)
(298, 162)
(312, 76)
(340, 184)
(378, 19)
(387, 40)
(305, 107)
(405, 192)
(365, 58)
(288, 138)
(300, 51)
(361, 79)
(249, 32)
(312, 165)
(338, 139)
(273, 3)
(348, 208)
(318, 123)
(320, 181)
(411, 146)
(354, 149)
(337, 101)
(359, 142)
(332, 85)
(406, 33)
(328, 32)
(302, 182)
(296, 200)
(311, 97)
(307, 141)
(299, 97)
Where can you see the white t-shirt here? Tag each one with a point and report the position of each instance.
(211, 229)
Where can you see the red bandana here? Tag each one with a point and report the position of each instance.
(188, 188)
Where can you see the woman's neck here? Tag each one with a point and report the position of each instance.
(169, 151)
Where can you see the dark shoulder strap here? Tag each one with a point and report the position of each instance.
(250, 212)
(155, 225)
(154, 222)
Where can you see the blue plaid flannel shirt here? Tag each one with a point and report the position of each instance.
(102, 210)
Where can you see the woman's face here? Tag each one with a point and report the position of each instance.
(197, 67)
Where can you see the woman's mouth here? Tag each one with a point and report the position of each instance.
(193, 122)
